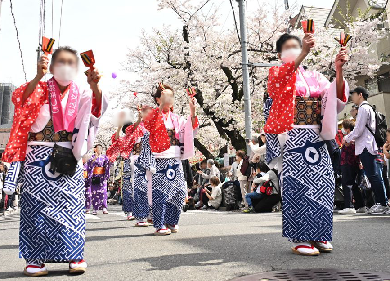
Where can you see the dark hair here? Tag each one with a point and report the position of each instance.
(158, 92)
(348, 124)
(283, 39)
(241, 154)
(96, 145)
(262, 167)
(362, 91)
(125, 127)
(388, 131)
(204, 161)
(215, 181)
(64, 49)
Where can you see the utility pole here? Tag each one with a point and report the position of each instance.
(245, 72)
(1, 2)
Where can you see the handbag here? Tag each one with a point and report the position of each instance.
(267, 188)
(62, 159)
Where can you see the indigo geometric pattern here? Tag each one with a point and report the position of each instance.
(52, 216)
(142, 165)
(308, 187)
(273, 149)
(169, 192)
(127, 187)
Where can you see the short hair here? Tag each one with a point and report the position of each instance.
(96, 145)
(210, 162)
(158, 92)
(241, 154)
(125, 127)
(362, 91)
(283, 39)
(64, 49)
(348, 124)
(262, 167)
(215, 181)
(204, 161)
(255, 139)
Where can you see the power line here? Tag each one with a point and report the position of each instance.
(52, 18)
(59, 32)
(17, 37)
(235, 22)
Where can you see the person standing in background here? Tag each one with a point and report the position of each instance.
(98, 172)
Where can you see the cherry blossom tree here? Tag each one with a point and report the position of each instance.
(206, 54)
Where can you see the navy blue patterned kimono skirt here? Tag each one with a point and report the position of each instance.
(127, 187)
(52, 216)
(308, 186)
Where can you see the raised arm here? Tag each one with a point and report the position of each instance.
(307, 43)
(341, 59)
(42, 69)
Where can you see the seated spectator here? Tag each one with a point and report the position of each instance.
(349, 172)
(212, 197)
(214, 171)
(269, 188)
(261, 169)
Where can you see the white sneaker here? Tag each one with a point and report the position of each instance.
(305, 249)
(377, 209)
(35, 270)
(362, 210)
(77, 266)
(347, 211)
(105, 212)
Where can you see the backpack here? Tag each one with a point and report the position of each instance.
(380, 127)
(246, 168)
(268, 187)
(229, 195)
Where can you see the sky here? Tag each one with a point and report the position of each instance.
(109, 28)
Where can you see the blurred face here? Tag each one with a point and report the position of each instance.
(1, 167)
(64, 68)
(353, 112)
(146, 111)
(168, 96)
(346, 131)
(99, 149)
(238, 158)
(209, 165)
(263, 139)
(64, 58)
(290, 50)
(203, 165)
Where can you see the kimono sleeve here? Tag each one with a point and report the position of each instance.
(106, 166)
(331, 106)
(114, 150)
(280, 78)
(159, 139)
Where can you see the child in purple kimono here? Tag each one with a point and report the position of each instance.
(88, 193)
(98, 168)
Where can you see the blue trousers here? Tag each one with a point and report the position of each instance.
(253, 195)
(371, 169)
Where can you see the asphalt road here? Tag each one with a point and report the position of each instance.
(211, 245)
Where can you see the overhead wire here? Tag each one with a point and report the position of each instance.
(59, 31)
(235, 21)
(17, 37)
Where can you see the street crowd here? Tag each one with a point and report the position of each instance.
(301, 163)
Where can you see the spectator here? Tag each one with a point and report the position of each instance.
(242, 178)
(386, 147)
(366, 147)
(212, 198)
(200, 180)
(258, 148)
(233, 171)
(214, 171)
(354, 111)
(349, 173)
(261, 169)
